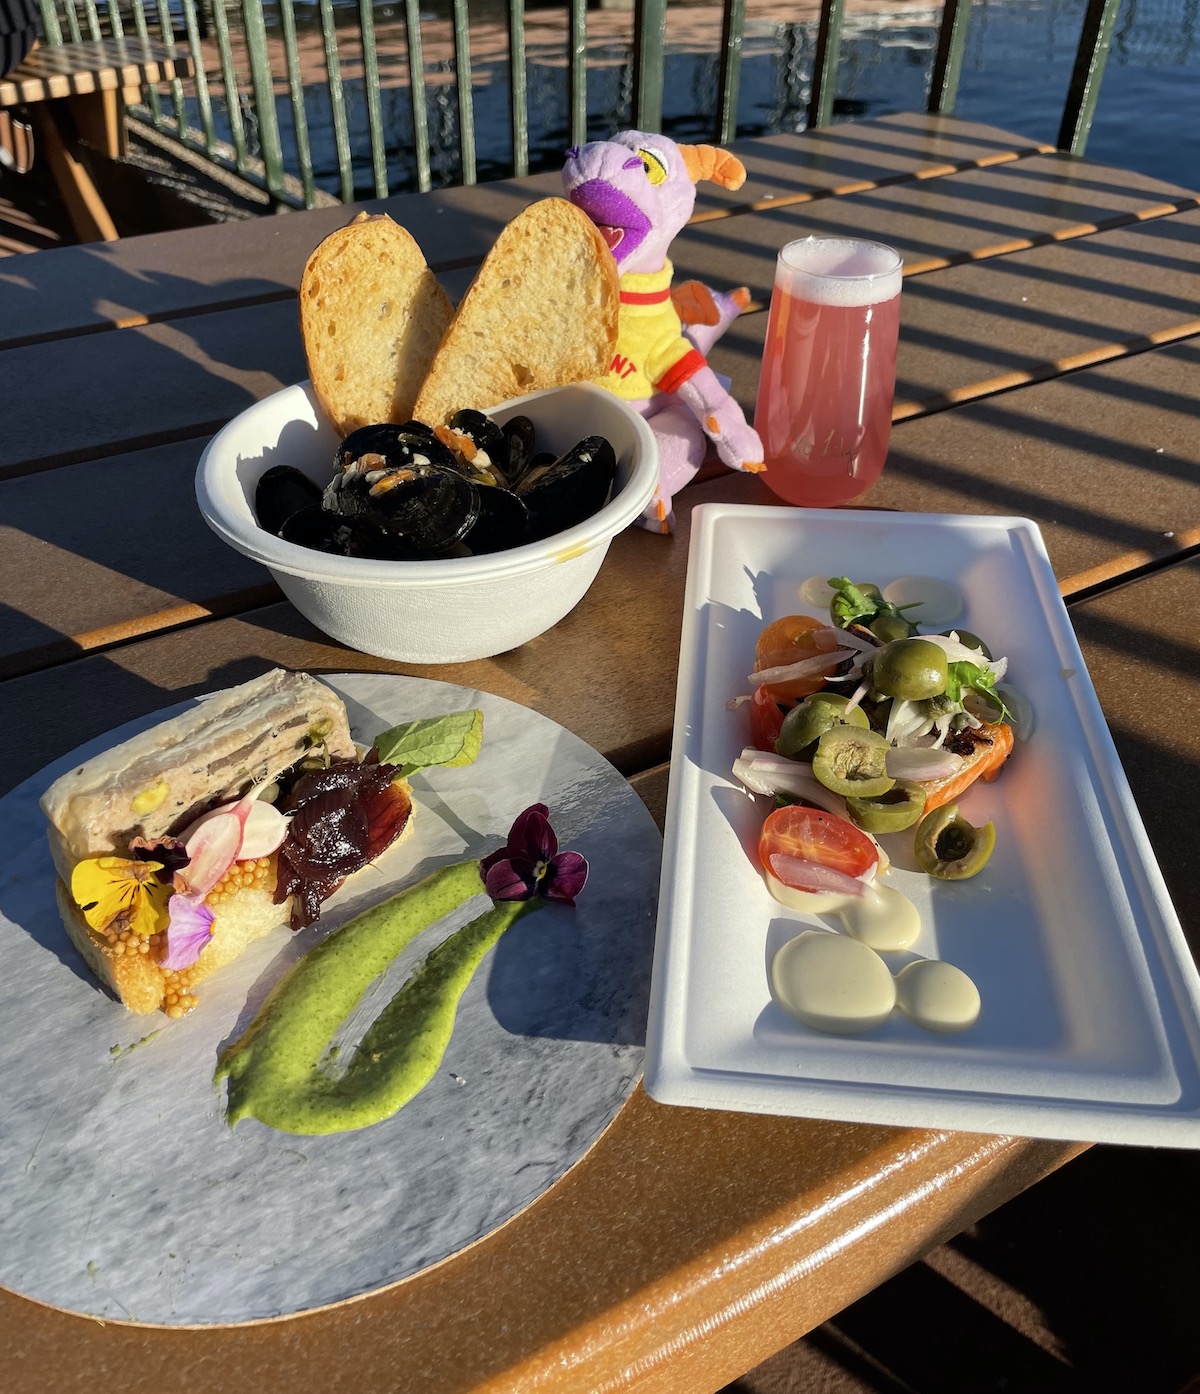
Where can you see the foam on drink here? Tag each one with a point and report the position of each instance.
(838, 272)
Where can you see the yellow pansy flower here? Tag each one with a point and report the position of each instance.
(111, 888)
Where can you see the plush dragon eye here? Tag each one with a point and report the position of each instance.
(654, 165)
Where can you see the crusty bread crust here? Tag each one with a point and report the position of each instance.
(371, 315)
(541, 312)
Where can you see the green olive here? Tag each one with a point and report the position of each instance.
(892, 812)
(972, 641)
(909, 669)
(850, 760)
(949, 848)
(804, 725)
(890, 627)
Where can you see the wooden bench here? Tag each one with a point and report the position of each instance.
(76, 95)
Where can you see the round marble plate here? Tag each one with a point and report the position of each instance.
(123, 1192)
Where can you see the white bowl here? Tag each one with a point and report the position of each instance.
(446, 610)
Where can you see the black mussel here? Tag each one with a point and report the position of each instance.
(571, 489)
(423, 508)
(390, 447)
(282, 492)
(312, 527)
(501, 523)
(416, 428)
(518, 432)
(536, 467)
(484, 434)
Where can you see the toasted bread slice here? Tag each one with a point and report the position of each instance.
(372, 315)
(541, 312)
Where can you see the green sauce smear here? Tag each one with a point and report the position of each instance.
(278, 1069)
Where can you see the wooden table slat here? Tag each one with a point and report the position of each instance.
(97, 65)
(137, 280)
(1037, 453)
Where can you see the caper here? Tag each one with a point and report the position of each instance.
(890, 627)
(909, 669)
(892, 812)
(806, 724)
(850, 760)
(948, 847)
(971, 641)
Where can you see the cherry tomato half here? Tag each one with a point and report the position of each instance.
(788, 640)
(766, 719)
(811, 835)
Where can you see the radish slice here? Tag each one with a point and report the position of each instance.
(817, 591)
(213, 848)
(263, 831)
(940, 602)
(922, 762)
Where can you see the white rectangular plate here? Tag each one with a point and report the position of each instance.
(1089, 1027)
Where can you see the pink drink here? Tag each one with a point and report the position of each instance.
(829, 369)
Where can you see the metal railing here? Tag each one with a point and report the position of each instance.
(266, 84)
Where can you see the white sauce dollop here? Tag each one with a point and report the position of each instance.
(817, 591)
(941, 603)
(881, 918)
(937, 996)
(833, 983)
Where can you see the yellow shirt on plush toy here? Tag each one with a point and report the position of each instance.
(651, 354)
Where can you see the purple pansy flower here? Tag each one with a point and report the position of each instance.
(189, 930)
(530, 863)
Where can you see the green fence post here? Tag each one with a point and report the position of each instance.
(291, 51)
(264, 94)
(947, 61)
(825, 65)
(366, 34)
(1090, 58)
(466, 101)
(649, 43)
(732, 28)
(517, 93)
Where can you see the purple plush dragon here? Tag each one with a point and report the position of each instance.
(639, 190)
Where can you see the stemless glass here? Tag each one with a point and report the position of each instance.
(824, 408)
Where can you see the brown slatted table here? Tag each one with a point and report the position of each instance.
(76, 96)
(1049, 361)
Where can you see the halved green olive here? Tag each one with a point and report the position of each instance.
(804, 725)
(850, 760)
(910, 669)
(892, 812)
(890, 627)
(972, 641)
(949, 848)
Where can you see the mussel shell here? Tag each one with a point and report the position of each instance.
(518, 432)
(312, 527)
(282, 492)
(574, 487)
(485, 434)
(424, 508)
(501, 524)
(397, 447)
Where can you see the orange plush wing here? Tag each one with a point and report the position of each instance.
(694, 303)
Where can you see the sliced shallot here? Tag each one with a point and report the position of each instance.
(813, 877)
(804, 668)
(922, 762)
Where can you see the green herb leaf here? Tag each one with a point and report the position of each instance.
(849, 604)
(963, 675)
(451, 740)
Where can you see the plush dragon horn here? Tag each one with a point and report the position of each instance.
(719, 166)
